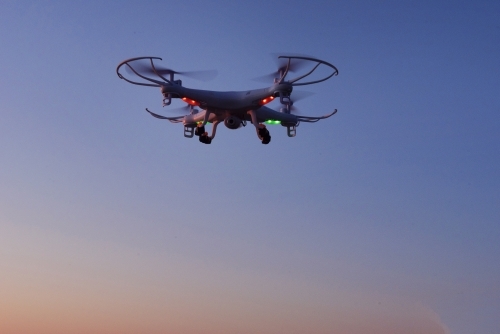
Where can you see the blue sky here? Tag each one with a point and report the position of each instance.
(383, 218)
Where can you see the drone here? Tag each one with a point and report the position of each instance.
(233, 108)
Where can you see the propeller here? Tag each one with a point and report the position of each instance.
(181, 110)
(295, 65)
(146, 69)
(296, 96)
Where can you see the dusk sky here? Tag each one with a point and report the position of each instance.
(384, 218)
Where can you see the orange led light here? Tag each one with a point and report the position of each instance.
(266, 100)
(189, 101)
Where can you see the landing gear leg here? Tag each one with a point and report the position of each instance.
(262, 132)
(203, 135)
(205, 139)
(200, 129)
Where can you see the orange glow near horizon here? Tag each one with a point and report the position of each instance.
(54, 283)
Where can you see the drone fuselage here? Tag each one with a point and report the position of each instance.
(226, 101)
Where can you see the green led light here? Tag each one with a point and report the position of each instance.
(271, 121)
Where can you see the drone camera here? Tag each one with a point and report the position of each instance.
(232, 122)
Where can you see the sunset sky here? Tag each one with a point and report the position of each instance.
(384, 218)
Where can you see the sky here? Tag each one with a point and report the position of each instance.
(381, 219)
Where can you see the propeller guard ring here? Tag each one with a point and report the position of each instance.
(318, 62)
(156, 83)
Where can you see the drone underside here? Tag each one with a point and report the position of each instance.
(234, 109)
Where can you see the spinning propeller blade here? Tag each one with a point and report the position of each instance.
(146, 69)
(296, 96)
(183, 110)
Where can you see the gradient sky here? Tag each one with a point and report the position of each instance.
(381, 219)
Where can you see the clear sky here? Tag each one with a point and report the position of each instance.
(382, 219)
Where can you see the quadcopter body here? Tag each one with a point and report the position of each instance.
(233, 108)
